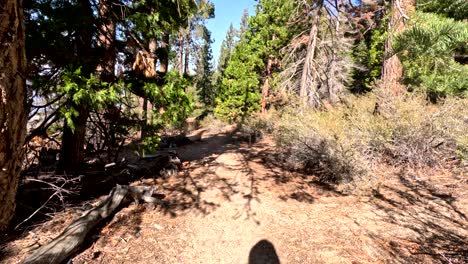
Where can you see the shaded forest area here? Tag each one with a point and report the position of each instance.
(95, 101)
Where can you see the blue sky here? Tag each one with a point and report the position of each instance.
(226, 12)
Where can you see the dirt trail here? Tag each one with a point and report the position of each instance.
(232, 203)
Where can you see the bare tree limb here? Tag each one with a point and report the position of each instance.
(71, 239)
(401, 10)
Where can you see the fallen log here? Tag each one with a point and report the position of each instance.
(71, 239)
(196, 135)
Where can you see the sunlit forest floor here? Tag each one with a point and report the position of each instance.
(234, 202)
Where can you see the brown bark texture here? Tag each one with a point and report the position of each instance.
(307, 90)
(392, 69)
(13, 106)
(72, 154)
(71, 239)
(181, 52)
(107, 42)
(164, 58)
(187, 55)
(73, 140)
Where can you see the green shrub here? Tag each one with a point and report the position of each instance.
(427, 50)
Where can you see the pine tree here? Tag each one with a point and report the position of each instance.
(72, 62)
(392, 69)
(318, 63)
(271, 33)
(456, 9)
(255, 58)
(428, 50)
(227, 47)
(204, 69)
(244, 24)
(239, 96)
(370, 23)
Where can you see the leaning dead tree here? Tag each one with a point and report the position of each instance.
(308, 89)
(71, 239)
(318, 64)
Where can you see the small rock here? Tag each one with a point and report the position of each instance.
(158, 227)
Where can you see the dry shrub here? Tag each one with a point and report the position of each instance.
(254, 126)
(210, 121)
(316, 143)
(341, 144)
(410, 130)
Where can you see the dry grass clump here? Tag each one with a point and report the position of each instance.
(210, 121)
(410, 130)
(341, 144)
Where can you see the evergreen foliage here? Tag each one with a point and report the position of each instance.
(239, 94)
(67, 54)
(456, 9)
(204, 69)
(260, 40)
(428, 49)
(368, 55)
(227, 47)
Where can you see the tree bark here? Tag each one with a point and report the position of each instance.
(13, 106)
(181, 52)
(70, 240)
(144, 119)
(164, 60)
(72, 153)
(73, 140)
(187, 53)
(392, 69)
(307, 91)
(107, 42)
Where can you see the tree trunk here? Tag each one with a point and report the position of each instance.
(72, 238)
(266, 85)
(392, 69)
(164, 60)
(107, 42)
(181, 52)
(72, 153)
(144, 119)
(187, 54)
(13, 106)
(308, 92)
(73, 140)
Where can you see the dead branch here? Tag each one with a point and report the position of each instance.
(39, 209)
(71, 239)
(59, 190)
(401, 10)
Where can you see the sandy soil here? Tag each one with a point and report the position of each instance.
(234, 203)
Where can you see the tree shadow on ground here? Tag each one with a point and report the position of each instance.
(301, 187)
(207, 149)
(185, 193)
(263, 169)
(433, 227)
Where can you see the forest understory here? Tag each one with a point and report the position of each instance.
(236, 201)
(324, 131)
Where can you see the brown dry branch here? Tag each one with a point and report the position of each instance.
(71, 239)
(59, 191)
